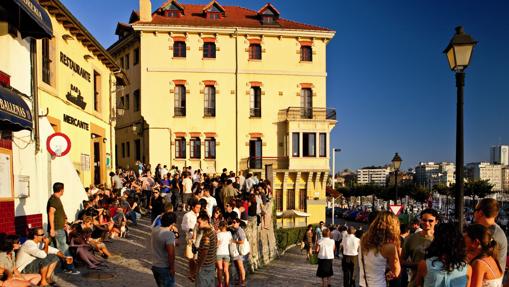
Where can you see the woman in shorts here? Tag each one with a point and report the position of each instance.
(224, 238)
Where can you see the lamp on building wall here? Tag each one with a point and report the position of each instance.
(459, 52)
(396, 163)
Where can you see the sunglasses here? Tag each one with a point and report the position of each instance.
(40, 234)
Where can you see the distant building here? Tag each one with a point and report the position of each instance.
(493, 173)
(404, 177)
(499, 154)
(374, 175)
(430, 174)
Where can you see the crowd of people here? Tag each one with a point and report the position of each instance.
(424, 253)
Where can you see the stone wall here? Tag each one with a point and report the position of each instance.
(261, 239)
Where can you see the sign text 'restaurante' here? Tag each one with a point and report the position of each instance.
(75, 67)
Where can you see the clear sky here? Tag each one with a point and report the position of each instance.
(387, 76)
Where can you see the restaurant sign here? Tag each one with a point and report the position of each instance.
(68, 62)
(75, 122)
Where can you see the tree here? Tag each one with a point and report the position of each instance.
(478, 189)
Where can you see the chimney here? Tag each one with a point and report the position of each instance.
(145, 11)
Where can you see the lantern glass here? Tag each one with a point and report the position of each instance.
(463, 53)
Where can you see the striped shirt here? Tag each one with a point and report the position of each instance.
(208, 247)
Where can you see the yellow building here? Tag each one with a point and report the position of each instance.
(76, 84)
(216, 87)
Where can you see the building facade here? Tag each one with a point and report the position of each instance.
(373, 175)
(493, 173)
(429, 174)
(21, 24)
(216, 87)
(77, 84)
(499, 154)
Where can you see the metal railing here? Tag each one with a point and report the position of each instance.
(255, 112)
(209, 112)
(254, 162)
(299, 113)
(180, 111)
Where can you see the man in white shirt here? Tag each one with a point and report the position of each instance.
(187, 193)
(211, 201)
(190, 227)
(36, 256)
(350, 246)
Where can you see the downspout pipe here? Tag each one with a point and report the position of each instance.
(35, 93)
(237, 100)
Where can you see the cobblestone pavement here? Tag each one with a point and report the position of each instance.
(130, 266)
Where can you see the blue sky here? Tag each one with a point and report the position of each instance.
(387, 76)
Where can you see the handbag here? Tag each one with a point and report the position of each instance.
(234, 251)
(188, 252)
(313, 259)
(244, 248)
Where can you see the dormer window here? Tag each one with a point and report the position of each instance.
(214, 11)
(268, 15)
(172, 10)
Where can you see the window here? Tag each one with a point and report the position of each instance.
(126, 61)
(128, 149)
(180, 148)
(179, 49)
(295, 144)
(209, 50)
(210, 101)
(137, 149)
(323, 145)
(180, 101)
(279, 199)
(214, 15)
(126, 102)
(306, 54)
(210, 148)
(97, 91)
(302, 199)
(173, 13)
(195, 148)
(255, 52)
(290, 199)
(136, 59)
(268, 19)
(122, 102)
(306, 103)
(309, 144)
(123, 150)
(255, 102)
(137, 103)
(47, 62)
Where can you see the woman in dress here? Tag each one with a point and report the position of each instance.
(378, 256)
(445, 261)
(325, 248)
(481, 253)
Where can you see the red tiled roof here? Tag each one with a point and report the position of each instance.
(234, 17)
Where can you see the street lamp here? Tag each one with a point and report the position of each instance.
(459, 52)
(396, 163)
(334, 151)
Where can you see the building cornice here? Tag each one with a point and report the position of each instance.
(58, 11)
(241, 71)
(146, 27)
(120, 44)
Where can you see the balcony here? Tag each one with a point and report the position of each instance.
(180, 111)
(209, 112)
(300, 113)
(260, 162)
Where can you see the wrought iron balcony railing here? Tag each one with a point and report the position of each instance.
(299, 113)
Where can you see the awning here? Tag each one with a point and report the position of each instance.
(14, 112)
(31, 18)
(292, 213)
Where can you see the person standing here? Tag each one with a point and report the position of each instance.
(207, 253)
(210, 200)
(336, 236)
(481, 253)
(239, 237)
(308, 241)
(116, 183)
(325, 248)
(445, 262)
(57, 223)
(156, 204)
(485, 214)
(379, 248)
(414, 248)
(318, 231)
(187, 193)
(163, 251)
(350, 246)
